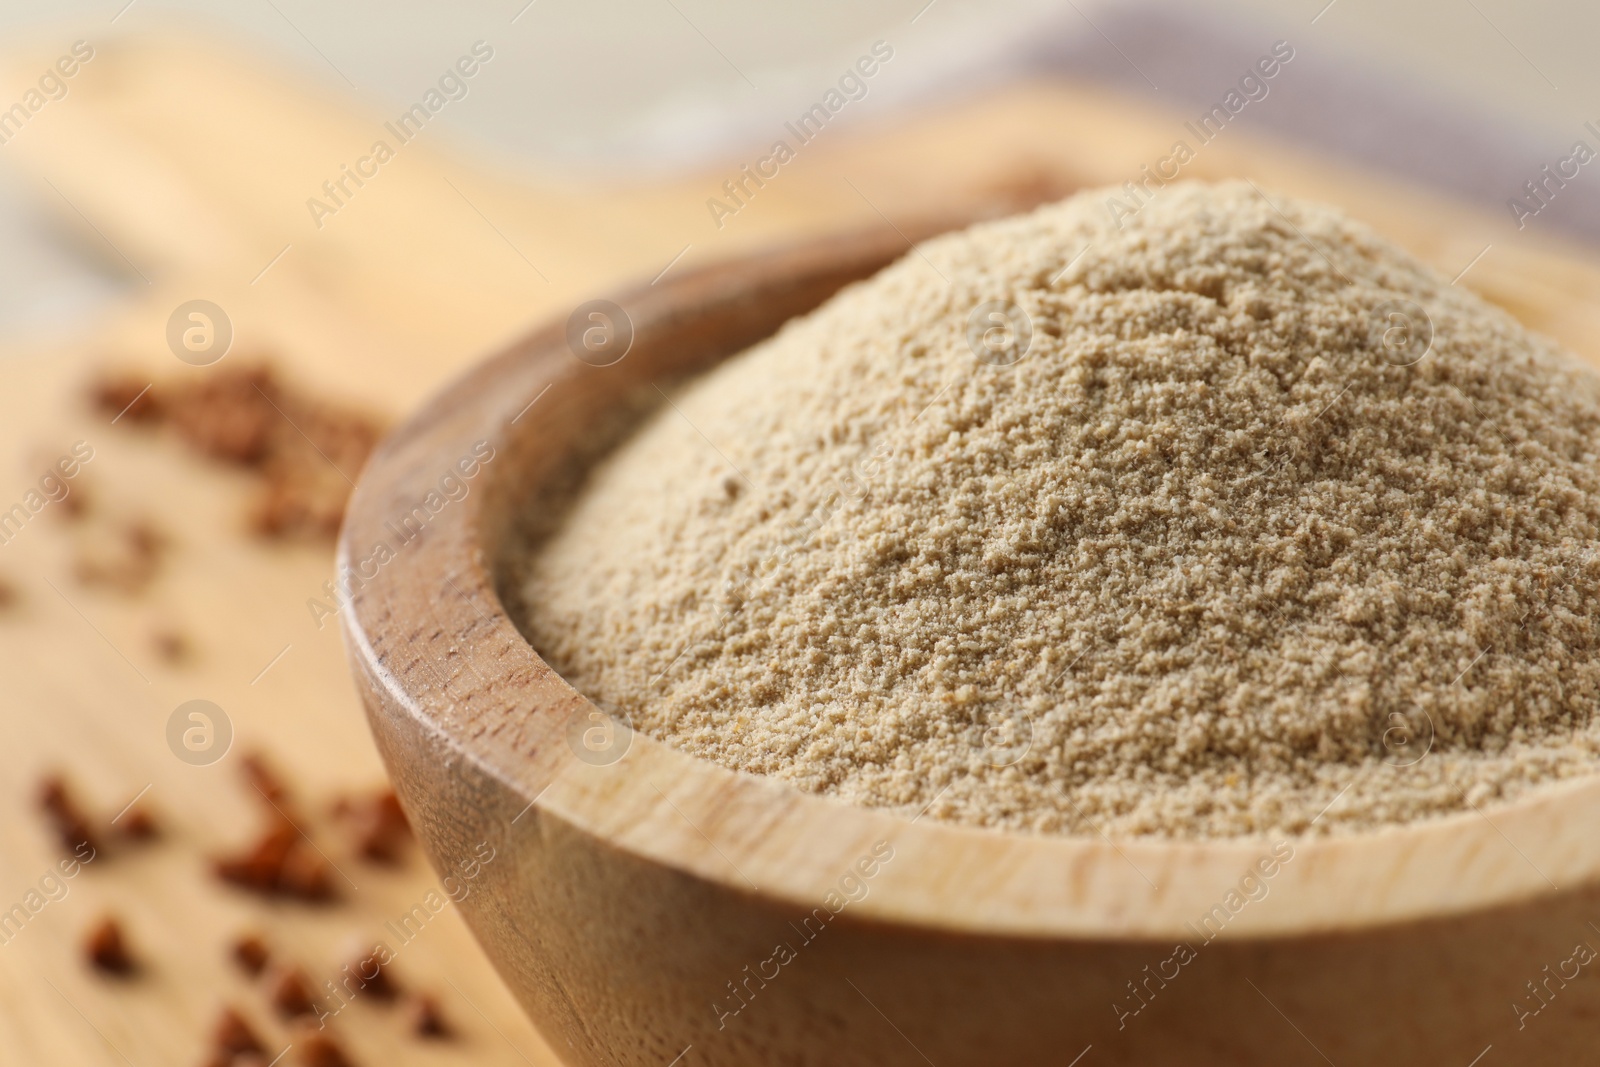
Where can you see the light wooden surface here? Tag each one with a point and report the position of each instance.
(192, 164)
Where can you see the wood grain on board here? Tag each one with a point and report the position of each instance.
(186, 166)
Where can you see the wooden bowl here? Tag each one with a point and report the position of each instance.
(645, 905)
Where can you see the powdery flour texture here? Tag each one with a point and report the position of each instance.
(1215, 553)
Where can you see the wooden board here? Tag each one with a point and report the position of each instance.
(187, 166)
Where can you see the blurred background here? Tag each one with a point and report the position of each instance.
(243, 237)
(1470, 96)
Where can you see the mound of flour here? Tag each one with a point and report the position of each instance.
(1218, 548)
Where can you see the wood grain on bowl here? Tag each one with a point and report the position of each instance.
(642, 903)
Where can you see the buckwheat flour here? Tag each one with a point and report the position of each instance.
(1214, 550)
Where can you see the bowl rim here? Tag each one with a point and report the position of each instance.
(429, 628)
